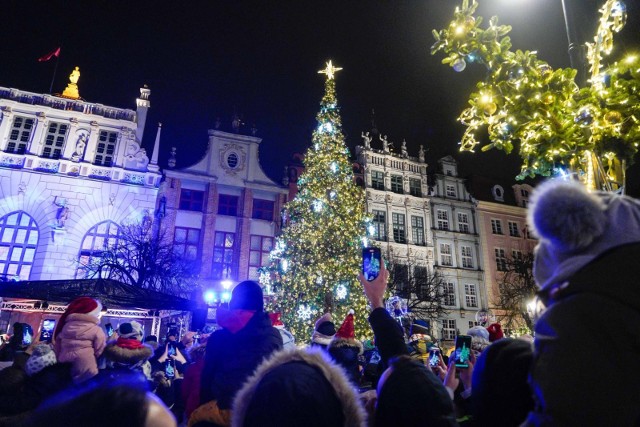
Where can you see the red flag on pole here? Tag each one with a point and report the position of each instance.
(48, 56)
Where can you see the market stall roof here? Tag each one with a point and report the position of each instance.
(111, 293)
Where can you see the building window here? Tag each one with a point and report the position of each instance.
(259, 254)
(513, 229)
(18, 242)
(525, 203)
(467, 257)
(451, 191)
(417, 230)
(463, 222)
(443, 220)
(227, 205)
(415, 187)
(263, 209)
(223, 262)
(501, 260)
(524, 193)
(20, 135)
(449, 294)
(232, 160)
(54, 141)
(377, 180)
(470, 295)
(379, 225)
(191, 200)
(517, 255)
(98, 239)
(186, 242)
(106, 148)
(396, 184)
(496, 226)
(399, 235)
(445, 254)
(449, 329)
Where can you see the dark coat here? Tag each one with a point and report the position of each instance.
(587, 345)
(231, 358)
(389, 335)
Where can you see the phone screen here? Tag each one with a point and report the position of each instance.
(169, 370)
(463, 351)
(109, 328)
(171, 349)
(434, 358)
(27, 334)
(46, 334)
(371, 262)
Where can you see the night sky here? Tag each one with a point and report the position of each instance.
(208, 59)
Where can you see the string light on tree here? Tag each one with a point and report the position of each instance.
(523, 102)
(305, 312)
(341, 291)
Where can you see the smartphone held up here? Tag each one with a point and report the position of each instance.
(371, 263)
(463, 351)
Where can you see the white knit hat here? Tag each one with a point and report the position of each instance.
(41, 357)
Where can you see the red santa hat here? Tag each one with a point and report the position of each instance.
(81, 305)
(346, 335)
(275, 320)
(495, 332)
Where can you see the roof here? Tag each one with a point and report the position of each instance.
(111, 293)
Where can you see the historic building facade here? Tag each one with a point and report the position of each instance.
(71, 172)
(223, 212)
(457, 249)
(502, 221)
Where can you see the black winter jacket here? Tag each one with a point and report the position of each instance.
(585, 369)
(231, 358)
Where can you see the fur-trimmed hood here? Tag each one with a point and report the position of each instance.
(307, 395)
(127, 356)
(338, 342)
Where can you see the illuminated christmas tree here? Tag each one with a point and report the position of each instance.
(557, 125)
(317, 258)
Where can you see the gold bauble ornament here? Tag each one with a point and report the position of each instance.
(613, 117)
(548, 98)
(489, 108)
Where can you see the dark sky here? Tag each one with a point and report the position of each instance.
(207, 59)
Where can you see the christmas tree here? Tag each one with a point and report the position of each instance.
(317, 258)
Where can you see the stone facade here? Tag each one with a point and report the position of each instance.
(224, 211)
(67, 169)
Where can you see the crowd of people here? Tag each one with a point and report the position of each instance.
(251, 372)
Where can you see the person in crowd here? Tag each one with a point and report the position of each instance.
(103, 404)
(79, 339)
(152, 341)
(128, 353)
(408, 393)
(288, 340)
(495, 332)
(16, 345)
(345, 349)
(479, 338)
(586, 265)
(500, 375)
(191, 383)
(419, 342)
(298, 387)
(12, 384)
(234, 352)
(323, 331)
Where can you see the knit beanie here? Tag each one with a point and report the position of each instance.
(495, 332)
(41, 357)
(479, 331)
(131, 329)
(247, 295)
(81, 305)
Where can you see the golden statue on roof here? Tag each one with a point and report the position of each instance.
(71, 91)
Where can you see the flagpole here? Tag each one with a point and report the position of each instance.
(55, 70)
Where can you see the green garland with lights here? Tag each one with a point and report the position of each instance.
(592, 130)
(316, 260)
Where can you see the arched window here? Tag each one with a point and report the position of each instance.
(18, 242)
(98, 239)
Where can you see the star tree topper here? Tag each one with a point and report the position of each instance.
(330, 71)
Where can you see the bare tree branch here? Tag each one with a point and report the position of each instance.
(517, 287)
